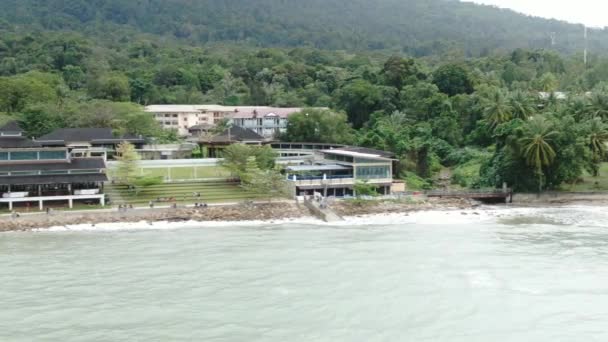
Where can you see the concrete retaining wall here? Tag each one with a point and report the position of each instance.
(560, 197)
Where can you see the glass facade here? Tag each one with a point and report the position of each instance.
(53, 155)
(369, 161)
(373, 172)
(29, 155)
(338, 157)
(33, 155)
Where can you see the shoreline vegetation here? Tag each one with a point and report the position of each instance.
(268, 211)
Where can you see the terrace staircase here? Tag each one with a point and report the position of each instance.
(215, 191)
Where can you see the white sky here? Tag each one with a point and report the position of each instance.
(589, 12)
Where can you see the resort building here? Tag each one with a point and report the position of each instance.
(334, 172)
(33, 175)
(88, 142)
(213, 145)
(265, 121)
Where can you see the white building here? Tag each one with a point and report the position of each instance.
(266, 121)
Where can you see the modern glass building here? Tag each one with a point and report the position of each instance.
(336, 171)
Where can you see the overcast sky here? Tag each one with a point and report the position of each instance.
(590, 12)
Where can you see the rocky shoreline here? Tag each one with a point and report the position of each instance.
(242, 212)
(227, 213)
(360, 208)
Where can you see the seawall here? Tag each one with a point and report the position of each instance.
(560, 197)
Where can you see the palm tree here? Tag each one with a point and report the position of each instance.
(598, 136)
(522, 105)
(537, 149)
(579, 107)
(598, 105)
(496, 109)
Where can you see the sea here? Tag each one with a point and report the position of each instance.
(498, 274)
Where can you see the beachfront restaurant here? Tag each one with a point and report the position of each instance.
(336, 171)
(33, 176)
(47, 182)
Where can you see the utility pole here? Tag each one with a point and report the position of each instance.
(586, 47)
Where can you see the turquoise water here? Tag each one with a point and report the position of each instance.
(511, 275)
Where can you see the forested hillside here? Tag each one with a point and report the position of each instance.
(76, 63)
(416, 27)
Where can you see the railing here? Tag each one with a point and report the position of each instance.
(470, 193)
(300, 178)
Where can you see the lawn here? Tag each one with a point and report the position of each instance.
(185, 173)
(183, 192)
(589, 183)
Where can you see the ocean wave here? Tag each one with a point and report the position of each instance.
(587, 216)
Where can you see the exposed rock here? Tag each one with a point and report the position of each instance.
(250, 212)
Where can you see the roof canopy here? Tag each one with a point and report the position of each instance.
(99, 135)
(320, 167)
(11, 126)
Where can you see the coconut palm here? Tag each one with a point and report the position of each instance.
(597, 138)
(496, 109)
(579, 107)
(536, 146)
(598, 105)
(522, 105)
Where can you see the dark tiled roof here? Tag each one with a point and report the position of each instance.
(236, 134)
(17, 142)
(201, 127)
(78, 134)
(75, 164)
(60, 179)
(62, 136)
(11, 126)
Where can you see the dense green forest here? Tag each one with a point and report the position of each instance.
(75, 64)
(415, 27)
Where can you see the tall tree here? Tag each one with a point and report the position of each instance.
(537, 149)
(127, 169)
(496, 109)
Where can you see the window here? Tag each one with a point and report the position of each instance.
(3, 155)
(52, 155)
(54, 172)
(84, 171)
(174, 115)
(373, 172)
(24, 155)
(24, 173)
(369, 161)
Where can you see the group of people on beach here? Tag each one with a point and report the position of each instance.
(124, 207)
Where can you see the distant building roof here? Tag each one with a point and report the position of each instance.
(11, 126)
(356, 154)
(201, 127)
(73, 164)
(263, 112)
(17, 142)
(172, 109)
(384, 154)
(236, 134)
(235, 112)
(319, 167)
(560, 95)
(99, 135)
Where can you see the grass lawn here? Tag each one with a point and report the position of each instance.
(185, 173)
(182, 192)
(590, 183)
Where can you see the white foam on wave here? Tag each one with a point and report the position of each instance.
(569, 215)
